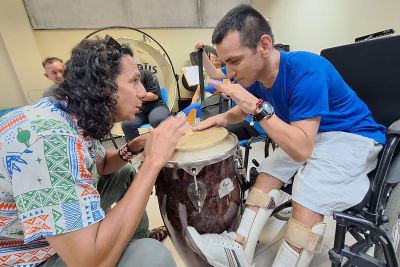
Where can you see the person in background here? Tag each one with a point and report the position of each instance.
(54, 71)
(60, 204)
(328, 141)
(153, 109)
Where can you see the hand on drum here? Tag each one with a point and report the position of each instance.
(162, 140)
(244, 100)
(139, 142)
(217, 120)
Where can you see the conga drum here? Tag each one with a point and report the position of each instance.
(199, 187)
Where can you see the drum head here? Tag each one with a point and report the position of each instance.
(203, 148)
(202, 139)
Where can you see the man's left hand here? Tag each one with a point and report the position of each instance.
(245, 100)
(138, 143)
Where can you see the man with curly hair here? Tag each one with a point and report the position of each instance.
(51, 212)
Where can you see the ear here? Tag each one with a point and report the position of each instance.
(266, 44)
(46, 75)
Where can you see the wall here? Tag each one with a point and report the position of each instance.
(19, 56)
(304, 24)
(314, 24)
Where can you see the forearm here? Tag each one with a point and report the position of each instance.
(112, 163)
(196, 95)
(292, 139)
(103, 243)
(116, 230)
(234, 115)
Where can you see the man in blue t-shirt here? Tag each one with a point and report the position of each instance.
(326, 135)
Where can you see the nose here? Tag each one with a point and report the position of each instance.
(231, 73)
(141, 93)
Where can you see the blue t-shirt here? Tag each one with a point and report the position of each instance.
(308, 86)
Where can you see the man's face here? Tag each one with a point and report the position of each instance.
(54, 71)
(242, 63)
(130, 90)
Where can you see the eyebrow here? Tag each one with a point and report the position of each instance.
(135, 76)
(233, 58)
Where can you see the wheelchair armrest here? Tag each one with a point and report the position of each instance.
(394, 128)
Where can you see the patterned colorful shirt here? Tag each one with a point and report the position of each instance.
(47, 181)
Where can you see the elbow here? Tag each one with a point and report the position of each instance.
(303, 155)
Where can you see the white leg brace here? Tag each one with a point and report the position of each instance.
(266, 203)
(301, 236)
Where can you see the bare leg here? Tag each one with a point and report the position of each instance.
(306, 217)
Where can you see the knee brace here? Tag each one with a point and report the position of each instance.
(305, 238)
(260, 199)
(309, 240)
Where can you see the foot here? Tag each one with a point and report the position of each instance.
(159, 233)
(217, 249)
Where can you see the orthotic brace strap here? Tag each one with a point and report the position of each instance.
(302, 237)
(260, 199)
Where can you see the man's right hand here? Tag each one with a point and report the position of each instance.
(217, 120)
(162, 140)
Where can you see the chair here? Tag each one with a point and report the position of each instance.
(372, 69)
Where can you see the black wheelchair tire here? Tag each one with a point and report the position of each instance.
(392, 210)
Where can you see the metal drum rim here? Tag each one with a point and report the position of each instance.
(207, 161)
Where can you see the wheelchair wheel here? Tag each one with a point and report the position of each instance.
(392, 210)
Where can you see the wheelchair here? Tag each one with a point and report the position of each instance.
(372, 69)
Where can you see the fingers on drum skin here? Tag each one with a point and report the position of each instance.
(204, 124)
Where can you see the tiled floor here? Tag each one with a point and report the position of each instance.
(271, 236)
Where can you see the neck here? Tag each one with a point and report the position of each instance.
(271, 69)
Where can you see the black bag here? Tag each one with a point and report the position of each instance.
(214, 105)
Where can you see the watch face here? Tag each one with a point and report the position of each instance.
(268, 108)
(266, 111)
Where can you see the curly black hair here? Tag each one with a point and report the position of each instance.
(247, 21)
(89, 86)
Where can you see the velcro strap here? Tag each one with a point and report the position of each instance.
(302, 237)
(260, 199)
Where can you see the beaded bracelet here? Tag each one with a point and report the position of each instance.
(126, 154)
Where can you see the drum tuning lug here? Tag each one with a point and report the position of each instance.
(197, 192)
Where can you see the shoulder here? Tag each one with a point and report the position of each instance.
(27, 124)
(303, 61)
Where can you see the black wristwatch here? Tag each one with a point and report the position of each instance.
(265, 111)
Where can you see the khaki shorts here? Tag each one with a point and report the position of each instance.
(334, 178)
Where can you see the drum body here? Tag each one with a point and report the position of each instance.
(213, 167)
